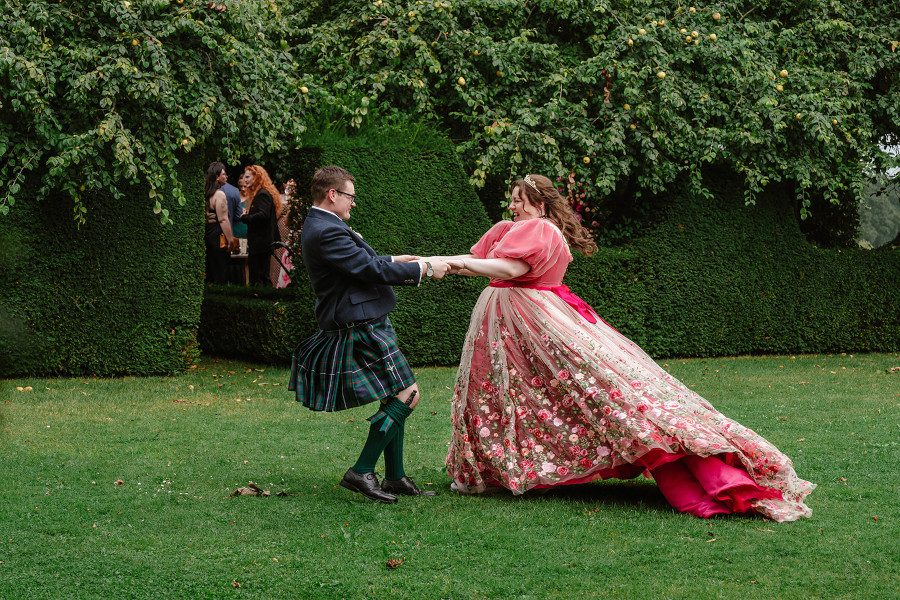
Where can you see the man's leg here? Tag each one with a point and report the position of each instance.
(393, 452)
(395, 479)
(386, 423)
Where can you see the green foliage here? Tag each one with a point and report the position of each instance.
(97, 94)
(121, 294)
(713, 278)
(263, 325)
(639, 93)
(413, 198)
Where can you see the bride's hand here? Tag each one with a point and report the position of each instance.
(456, 265)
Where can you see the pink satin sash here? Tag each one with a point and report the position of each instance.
(568, 296)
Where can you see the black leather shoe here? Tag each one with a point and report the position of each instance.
(404, 486)
(367, 485)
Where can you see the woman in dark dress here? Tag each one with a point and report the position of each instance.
(217, 235)
(261, 217)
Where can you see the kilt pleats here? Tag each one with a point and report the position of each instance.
(341, 369)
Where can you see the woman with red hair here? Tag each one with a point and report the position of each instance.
(261, 217)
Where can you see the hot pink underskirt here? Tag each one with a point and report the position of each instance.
(703, 486)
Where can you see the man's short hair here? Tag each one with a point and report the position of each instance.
(328, 178)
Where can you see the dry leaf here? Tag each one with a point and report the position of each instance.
(842, 479)
(119, 482)
(251, 489)
(875, 518)
(235, 584)
(393, 563)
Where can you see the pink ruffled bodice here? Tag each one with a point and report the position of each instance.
(538, 242)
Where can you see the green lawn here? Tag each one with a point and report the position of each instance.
(181, 444)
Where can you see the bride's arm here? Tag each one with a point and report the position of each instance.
(445, 258)
(495, 268)
(455, 260)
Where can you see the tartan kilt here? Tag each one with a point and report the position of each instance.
(344, 368)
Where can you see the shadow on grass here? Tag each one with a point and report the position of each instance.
(608, 493)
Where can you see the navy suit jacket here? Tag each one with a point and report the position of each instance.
(351, 281)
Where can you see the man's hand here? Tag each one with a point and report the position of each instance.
(405, 258)
(440, 269)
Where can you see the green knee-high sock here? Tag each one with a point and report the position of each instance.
(393, 456)
(385, 425)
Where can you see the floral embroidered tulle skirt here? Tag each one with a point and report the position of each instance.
(545, 398)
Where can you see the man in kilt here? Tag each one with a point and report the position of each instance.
(354, 358)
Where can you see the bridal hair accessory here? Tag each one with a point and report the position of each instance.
(531, 182)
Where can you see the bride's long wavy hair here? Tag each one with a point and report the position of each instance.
(556, 209)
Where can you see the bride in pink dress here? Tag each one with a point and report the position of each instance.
(549, 394)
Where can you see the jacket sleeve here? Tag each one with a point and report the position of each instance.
(260, 210)
(341, 251)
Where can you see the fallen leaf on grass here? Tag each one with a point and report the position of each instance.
(894, 370)
(875, 518)
(235, 584)
(712, 540)
(393, 563)
(251, 489)
(119, 482)
(842, 479)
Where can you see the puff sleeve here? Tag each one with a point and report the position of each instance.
(483, 247)
(536, 241)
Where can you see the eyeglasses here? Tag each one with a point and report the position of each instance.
(351, 196)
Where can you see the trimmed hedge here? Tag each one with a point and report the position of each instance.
(413, 198)
(707, 278)
(718, 278)
(120, 295)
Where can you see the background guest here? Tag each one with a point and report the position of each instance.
(218, 236)
(281, 264)
(261, 216)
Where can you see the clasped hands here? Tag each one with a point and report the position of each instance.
(440, 266)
